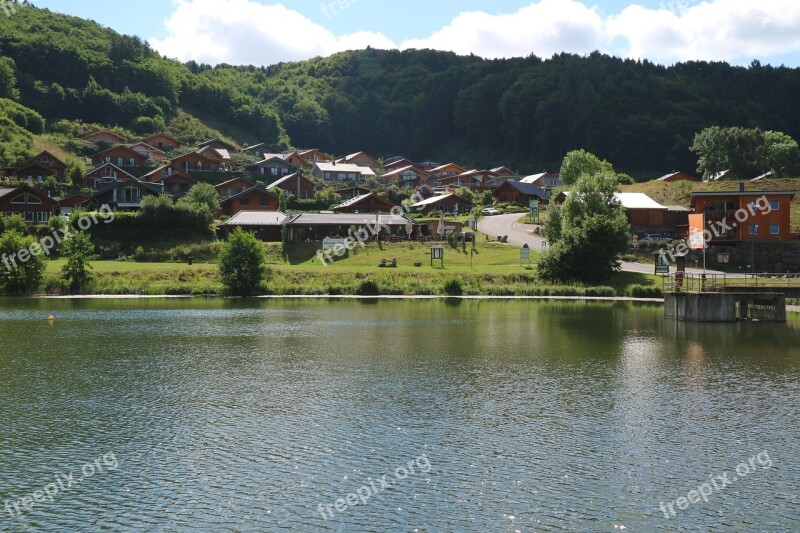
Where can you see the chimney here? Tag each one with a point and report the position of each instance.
(741, 186)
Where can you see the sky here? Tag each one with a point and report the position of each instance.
(264, 32)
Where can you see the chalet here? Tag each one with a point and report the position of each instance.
(766, 224)
(428, 165)
(517, 192)
(219, 144)
(33, 206)
(446, 203)
(106, 173)
(220, 155)
(505, 172)
(343, 172)
(318, 226)
(543, 180)
(233, 187)
(360, 159)
(398, 161)
(352, 192)
(105, 137)
(296, 185)
(408, 176)
(260, 150)
(162, 141)
(67, 205)
(368, 203)
(476, 180)
(644, 213)
(315, 156)
(198, 162)
(123, 195)
(41, 166)
(174, 182)
(153, 154)
(121, 155)
(266, 225)
(272, 167)
(253, 199)
(445, 171)
(294, 158)
(676, 176)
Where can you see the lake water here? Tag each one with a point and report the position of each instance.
(224, 415)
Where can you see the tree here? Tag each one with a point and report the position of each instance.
(282, 201)
(579, 163)
(78, 250)
(76, 174)
(15, 223)
(586, 234)
(734, 149)
(21, 263)
(242, 263)
(779, 154)
(202, 195)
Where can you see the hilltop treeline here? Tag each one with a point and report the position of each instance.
(525, 112)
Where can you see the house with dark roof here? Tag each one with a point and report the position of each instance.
(266, 225)
(123, 195)
(361, 159)
(106, 173)
(408, 176)
(33, 206)
(296, 185)
(272, 167)
(219, 144)
(253, 199)
(104, 137)
(445, 203)
(39, 167)
(121, 155)
(233, 187)
(162, 141)
(65, 206)
(516, 192)
(367, 203)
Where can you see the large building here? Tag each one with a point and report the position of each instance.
(762, 215)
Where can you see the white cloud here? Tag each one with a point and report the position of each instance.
(248, 32)
(543, 28)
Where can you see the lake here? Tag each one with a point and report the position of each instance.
(317, 415)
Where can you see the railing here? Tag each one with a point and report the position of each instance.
(686, 282)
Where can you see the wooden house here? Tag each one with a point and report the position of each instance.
(33, 206)
(41, 166)
(296, 185)
(121, 155)
(163, 142)
(367, 203)
(253, 199)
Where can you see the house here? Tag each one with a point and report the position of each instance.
(738, 208)
(445, 171)
(644, 213)
(517, 192)
(123, 195)
(219, 155)
(446, 203)
(219, 144)
(274, 166)
(199, 162)
(41, 166)
(153, 154)
(348, 173)
(505, 172)
(253, 199)
(295, 184)
(367, 203)
(475, 180)
(315, 156)
(294, 158)
(162, 141)
(106, 173)
(317, 226)
(260, 150)
(398, 161)
(266, 225)
(121, 155)
(543, 180)
(174, 182)
(352, 192)
(233, 187)
(105, 137)
(676, 176)
(67, 205)
(33, 206)
(408, 176)
(429, 165)
(360, 159)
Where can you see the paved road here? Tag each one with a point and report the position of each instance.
(521, 234)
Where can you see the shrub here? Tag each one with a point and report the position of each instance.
(368, 287)
(242, 264)
(17, 276)
(600, 292)
(453, 287)
(643, 291)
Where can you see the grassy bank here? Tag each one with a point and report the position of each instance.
(492, 269)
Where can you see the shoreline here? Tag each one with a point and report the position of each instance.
(342, 297)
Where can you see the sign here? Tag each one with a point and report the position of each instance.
(696, 227)
(662, 264)
(533, 206)
(723, 258)
(525, 254)
(329, 243)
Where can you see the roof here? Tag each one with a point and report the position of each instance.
(285, 179)
(153, 187)
(527, 189)
(153, 148)
(533, 177)
(345, 167)
(744, 193)
(358, 199)
(229, 146)
(7, 191)
(98, 167)
(442, 167)
(436, 199)
(405, 169)
(504, 171)
(248, 191)
(346, 219)
(632, 200)
(224, 183)
(256, 218)
(678, 209)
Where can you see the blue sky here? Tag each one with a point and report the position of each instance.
(264, 32)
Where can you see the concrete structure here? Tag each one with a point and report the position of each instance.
(725, 306)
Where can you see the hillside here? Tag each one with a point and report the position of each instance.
(525, 112)
(680, 193)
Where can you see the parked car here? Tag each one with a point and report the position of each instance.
(490, 211)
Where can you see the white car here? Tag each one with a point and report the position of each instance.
(490, 211)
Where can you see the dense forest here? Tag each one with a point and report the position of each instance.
(525, 113)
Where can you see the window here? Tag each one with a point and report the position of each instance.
(31, 199)
(264, 202)
(120, 161)
(775, 229)
(327, 175)
(131, 162)
(131, 195)
(42, 216)
(274, 171)
(29, 216)
(751, 230)
(18, 199)
(304, 194)
(775, 205)
(244, 202)
(284, 171)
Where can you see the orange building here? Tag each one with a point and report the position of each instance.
(744, 211)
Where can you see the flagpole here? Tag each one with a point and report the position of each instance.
(705, 245)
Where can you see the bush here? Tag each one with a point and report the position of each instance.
(368, 288)
(600, 292)
(16, 276)
(643, 291)
(242, 264)
(453, 287)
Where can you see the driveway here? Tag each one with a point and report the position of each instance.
(522, 234)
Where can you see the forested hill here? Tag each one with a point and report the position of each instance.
(424, 104)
